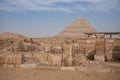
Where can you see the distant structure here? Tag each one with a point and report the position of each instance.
(77, 29)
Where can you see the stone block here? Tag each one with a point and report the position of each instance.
(117, 41)
(81, 68)
(2, 59)
(68, 68)
(109, 47)
(44, 58)
(28, 65)
(66, 49)
(58, 60)
(111, 41)
(84, 41)
(48, 48)
(92, 41)
(79, 59)
(14, 59)
(100, 52)
(99, 57)
(100, 42)
(50, 67)
(27, 55)
(41, 58)
(108, 55)
(99, 47)
(51, 59)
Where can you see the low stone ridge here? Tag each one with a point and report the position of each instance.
(77, 29)
(11, 35)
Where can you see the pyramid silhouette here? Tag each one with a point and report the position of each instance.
(77, 29)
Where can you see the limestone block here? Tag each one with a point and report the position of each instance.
(108, 55)
(28, 65)
(98, 57)
(57, 49)
(82, 68)
(51, 59)
(44, 58)
(89, 47)
(100, 47)
(76, 46)
(100, 52)
(27, 55)
(91, 41)
(117, 41)
(48, 48)
(82, 45)
(14, 59)
(78, 41)
(66, 49)
(2, 59)
(58, 60)
(55, 59)
(109, 47)
(68, 62)
(38, 57)
(111, 41)
(88, 41)
(68, 68)
(79, 59)
(27, 43)
(83, 41)
(99, 42)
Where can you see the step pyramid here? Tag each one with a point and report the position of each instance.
(77, 29)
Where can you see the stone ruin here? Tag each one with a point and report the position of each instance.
(75, 45)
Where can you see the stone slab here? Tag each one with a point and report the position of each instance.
(68, 68)
(28, 65)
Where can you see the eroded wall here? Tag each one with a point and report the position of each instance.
(56, 51)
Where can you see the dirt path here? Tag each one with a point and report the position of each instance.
(38, 74)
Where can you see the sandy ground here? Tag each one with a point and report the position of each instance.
(38, 74)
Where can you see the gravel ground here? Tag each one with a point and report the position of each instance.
(42, 74)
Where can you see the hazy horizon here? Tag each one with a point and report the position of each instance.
(46, 18)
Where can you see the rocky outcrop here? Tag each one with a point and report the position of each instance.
(11, 35)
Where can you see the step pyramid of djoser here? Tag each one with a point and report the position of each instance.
(77, 29)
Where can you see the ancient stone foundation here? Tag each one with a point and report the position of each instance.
(73, 53)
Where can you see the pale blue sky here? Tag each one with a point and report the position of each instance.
(43, 18)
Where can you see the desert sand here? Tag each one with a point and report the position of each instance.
(43, 74)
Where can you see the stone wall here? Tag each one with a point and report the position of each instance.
(109, 49)
(49, 59)
(82, 50)
(112, 51)
(2, 59)
(11, 59)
